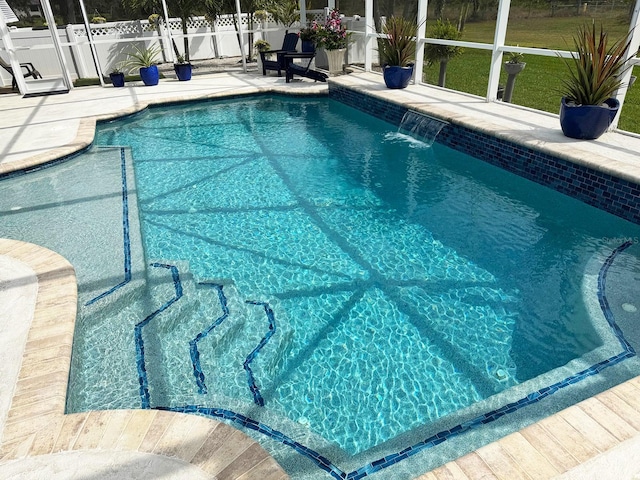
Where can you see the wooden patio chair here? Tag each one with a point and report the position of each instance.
(288, 46)
(30, 71)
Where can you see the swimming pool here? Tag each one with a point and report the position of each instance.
(357, 241)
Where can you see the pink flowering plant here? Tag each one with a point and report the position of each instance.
(333, 34)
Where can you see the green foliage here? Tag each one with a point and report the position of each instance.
(141, 57)
(442, 53)
(399, 48)
(155, 19)
(309, 34)
(514, 57)
(284, 12)
(595, 67)
(261, 46)
(261, 15)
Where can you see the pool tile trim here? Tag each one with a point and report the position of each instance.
(608, 189)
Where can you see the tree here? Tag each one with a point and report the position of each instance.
(283, 11)
(442, 53)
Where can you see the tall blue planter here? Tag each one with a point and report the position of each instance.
(587, 122)
(149, 75)
(397, 77)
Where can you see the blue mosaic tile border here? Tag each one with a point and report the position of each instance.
(193, 344)
(140, 362)
(125, 232)
(432, 441)
(611, 194)
(257, 397)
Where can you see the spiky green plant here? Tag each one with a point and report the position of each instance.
(141, 57)
(595, 68)
(399, 47)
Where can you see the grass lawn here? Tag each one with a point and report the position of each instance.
(538, 86)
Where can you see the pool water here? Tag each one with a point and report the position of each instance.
(358, 282)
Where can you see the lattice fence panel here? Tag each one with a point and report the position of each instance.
(120, 28)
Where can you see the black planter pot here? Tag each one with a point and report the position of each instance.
(117, 79)
(587, 122)
(183, 71)
(150, 75)
(397, 77)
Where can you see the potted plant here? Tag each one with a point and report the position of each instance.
(144, 59)
(182, 68)
(397, 51)
(333, 37)
(513, 66)
(595, 69)
(515, 63)
(309, 37)
(117, 77)
(435, 53)
(261, 46)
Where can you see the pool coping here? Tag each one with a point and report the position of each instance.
(87, 125)
(545, 449)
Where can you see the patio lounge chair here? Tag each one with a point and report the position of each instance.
(30, 72)
(300, 69)
(288, 46)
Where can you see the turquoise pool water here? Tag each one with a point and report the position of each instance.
(341, 282)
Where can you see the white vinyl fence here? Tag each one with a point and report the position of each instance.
(114, 39)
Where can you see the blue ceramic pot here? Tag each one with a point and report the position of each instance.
(149, 75)
(117, 79)
(183, 71)
(587, 122)
(397, 77)
(308, 46)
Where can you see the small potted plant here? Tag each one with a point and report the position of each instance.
(182, 68)
(397, 51)
(515, 63)
(587, 107)
(144, 60)
(309, 37)
(261, 46)
(117, 77)
(333, 38)
(513, 66)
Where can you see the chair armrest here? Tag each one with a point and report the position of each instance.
(28, 65)
(299, 55)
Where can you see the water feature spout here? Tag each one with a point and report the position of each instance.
(421, 125)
